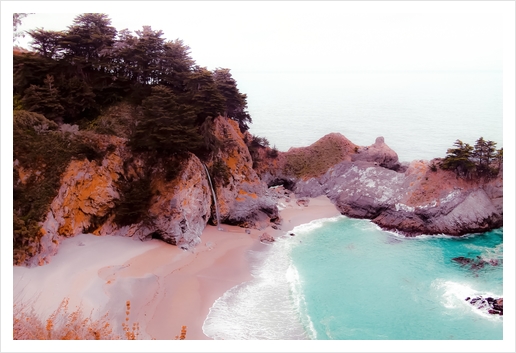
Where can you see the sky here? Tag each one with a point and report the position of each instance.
(310, 36)
(271, 36)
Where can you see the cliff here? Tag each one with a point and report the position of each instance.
(178, 209)
(363, 182)
(369, 182)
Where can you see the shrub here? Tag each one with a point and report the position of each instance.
(220, 172)
(134, 202)
(44, 153)
(65, 325)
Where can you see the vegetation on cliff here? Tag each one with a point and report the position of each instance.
(94, 79)
(481, 160)
(42, 151)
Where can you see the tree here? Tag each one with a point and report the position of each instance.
(458, 159)
(88, 41)
(17, 20)
(235, 102)
(499, 158)
(483, 155)
(168, 127)
(175, 64)
(46, 43)
(203, 95)
(45, 100)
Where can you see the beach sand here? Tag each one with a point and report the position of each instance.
(167, 287)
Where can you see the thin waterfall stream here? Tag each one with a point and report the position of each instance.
(214, 198)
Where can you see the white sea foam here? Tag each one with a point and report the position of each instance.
(318, 223)
(454, 296)
(264, 308)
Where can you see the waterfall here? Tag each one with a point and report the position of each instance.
(214, 198)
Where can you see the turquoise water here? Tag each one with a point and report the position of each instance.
(344, 279)
(362, 283)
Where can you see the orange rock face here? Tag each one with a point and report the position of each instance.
(243, 200)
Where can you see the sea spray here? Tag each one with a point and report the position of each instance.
(219, 227)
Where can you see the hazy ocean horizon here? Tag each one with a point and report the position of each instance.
(343, 278)
(420, 114)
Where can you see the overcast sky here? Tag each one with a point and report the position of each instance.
(308, 36)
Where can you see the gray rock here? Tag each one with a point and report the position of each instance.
(378, 153)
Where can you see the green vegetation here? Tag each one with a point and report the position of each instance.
(482, 160)
(92, 79)
(44, 153)
(220, 172)
(73, 75)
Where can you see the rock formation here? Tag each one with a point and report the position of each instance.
(179, 209)
(363, 182)
(369, 182)
(243, 197)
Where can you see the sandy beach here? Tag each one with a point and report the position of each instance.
(167, 287)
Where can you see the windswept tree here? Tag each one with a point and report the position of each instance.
(484, 155)
(482, 160)
(202, 93)
(87, 43)
(47, 43)
(458, 159)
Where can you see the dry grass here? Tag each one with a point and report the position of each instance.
(64, 324)
(316, 159)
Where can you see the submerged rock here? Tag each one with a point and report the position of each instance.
(490, 305)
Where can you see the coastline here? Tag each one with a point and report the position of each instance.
(167, 287)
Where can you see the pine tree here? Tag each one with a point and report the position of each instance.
(167, 126)
(44, 100)
(458, 159)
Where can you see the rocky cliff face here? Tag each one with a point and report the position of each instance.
(179, 209)
(417, 201)
(363, 182)
(243, 197)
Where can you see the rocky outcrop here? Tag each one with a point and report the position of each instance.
(87, 193)
(86, 200)
(242, 196)
(493, 306)
(299, 163)
(378, 153)
(418, 201)
(178, 211)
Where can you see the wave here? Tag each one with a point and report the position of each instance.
(265, 308)
(316, 224)
(454, 295)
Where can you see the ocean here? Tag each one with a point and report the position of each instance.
(346, 279)
(420, 114)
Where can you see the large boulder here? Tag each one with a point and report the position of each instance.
(179, 209)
